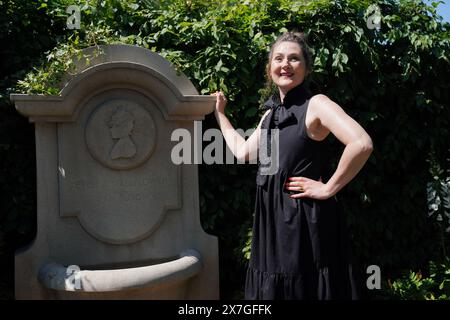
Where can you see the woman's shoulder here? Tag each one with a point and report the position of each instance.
(319, 98)
(321, 103)
(266, 112)
(321, 106)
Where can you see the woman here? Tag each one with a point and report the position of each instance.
(299, 245)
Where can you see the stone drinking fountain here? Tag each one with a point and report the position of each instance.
(116, 218)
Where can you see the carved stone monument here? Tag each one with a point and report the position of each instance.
(116, 218)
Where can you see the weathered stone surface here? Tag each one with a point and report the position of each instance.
(109, 196)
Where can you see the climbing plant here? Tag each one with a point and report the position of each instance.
(383, 61)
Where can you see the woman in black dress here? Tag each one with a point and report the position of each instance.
(299, 245)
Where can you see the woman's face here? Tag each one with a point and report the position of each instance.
(287, 67)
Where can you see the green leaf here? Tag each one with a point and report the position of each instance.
(219, 65)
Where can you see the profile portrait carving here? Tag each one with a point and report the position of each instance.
(121, 127)
(120, 134)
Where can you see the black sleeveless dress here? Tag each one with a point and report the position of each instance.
(299, 246)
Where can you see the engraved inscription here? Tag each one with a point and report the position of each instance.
(83, 185)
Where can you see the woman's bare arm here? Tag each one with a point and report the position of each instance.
(243, 150)
(358, 147)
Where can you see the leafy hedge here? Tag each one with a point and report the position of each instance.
(389, 79)
(27, 32)
(433, 284)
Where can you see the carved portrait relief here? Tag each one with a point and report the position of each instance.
(121, 128)
(120, 134)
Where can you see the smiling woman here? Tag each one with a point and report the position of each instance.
(289, 62)
(299, 246)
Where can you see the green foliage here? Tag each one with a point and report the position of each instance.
(27, 31)
(439, 193)
(390, 79)
(414, 286)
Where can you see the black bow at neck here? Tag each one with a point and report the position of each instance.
(295, 96)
